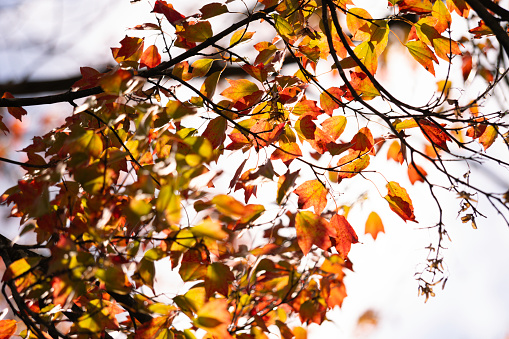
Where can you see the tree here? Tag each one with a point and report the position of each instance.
(130, 177)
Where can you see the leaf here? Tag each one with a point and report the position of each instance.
(362, 85)
(16, 112)
(201, 67)
(441, 13)
(416, 173)
(286, 152)
(150, 58)
(460, 6)
(312, 230)
(240, 36)
(345, 235)
(363, 141)
(374, 225)
(327, 103)
(213, 9)
(334, 126)
(489, 136)
(195, 31)
(168, 204)
(312, 193)
(239, 89)
(131, 50)
(284, 183)
(168, 11)
(7, 328)
(214, 318)
(216, 131)
(366, 52)
(352, 164)
(209, 228)
(357, 25)
(434, 133)
(422, 54)
(399, 201)
(218, 278)
(150, 329)
(415, 6)
(445, 47)
(394, 152)
(481, 30)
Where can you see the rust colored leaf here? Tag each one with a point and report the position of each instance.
(213, 9)
(345, 235)
(481, 30)
(215, 131)
(352, 164)
(90, 78)
(416, 173)
(168, 11)
(422, 54)
(7, 328)
(195, 31)
(312, 230)
(489, 136)
(434, 134)
(466, 66)
(415, 6)
(307, 107)
(259, 72)
(16, 112)
(363, 141)
(130, 50)
(374, 225)
(362, 85)
(312, 193)
(399, 201)
(218, 279)
(150, 58)
(151, 328)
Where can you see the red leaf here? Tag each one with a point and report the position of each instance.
(130, 50)
(312, 193)
(218, 279)
(16, 112)
(90, 78)
(399, 201)
(345, 235)
(150, 58)
(374, 225)
(313, 230)
(434, 133)
(167, 10)
(363, 141)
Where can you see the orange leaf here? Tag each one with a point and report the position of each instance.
(327, 103)
(284, 183)
(345, 235)
(488, 137)
(150, 58)
(415, 6)
(130, 50)
(416, 173)
(399, 201)
(16, 112)
(363, 141)
(434, 134)
(215, 131)
(214, 318)
(444, 47)
(286, 152)
(441, 13)
(394, 152)
(362, 85)
(312, 193)
(422, 54)
(460, 6)
(374, 225)
(7, 328)
(481, 30)
(312, 230)
(352, 164)
(239, 89)
(334, 126)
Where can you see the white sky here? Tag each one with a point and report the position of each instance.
(475, 302)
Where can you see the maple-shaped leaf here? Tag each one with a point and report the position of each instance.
(239, 89)
(416, 173)
(422, 54)
(218, 278)
(7, 328)
(434, 133)
(327, 103)
(313, 230)
(131, 50)
(90, 78)
(16, 112)
(415, 6)
(168, 11)
(312, 193)
(214, 318)
(150, 58)
(489, 136)
(344, 235)
(399, 201)
(374, 225)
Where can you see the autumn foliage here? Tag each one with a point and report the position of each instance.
(228, 129)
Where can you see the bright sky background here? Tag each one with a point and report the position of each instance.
(475, 302)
